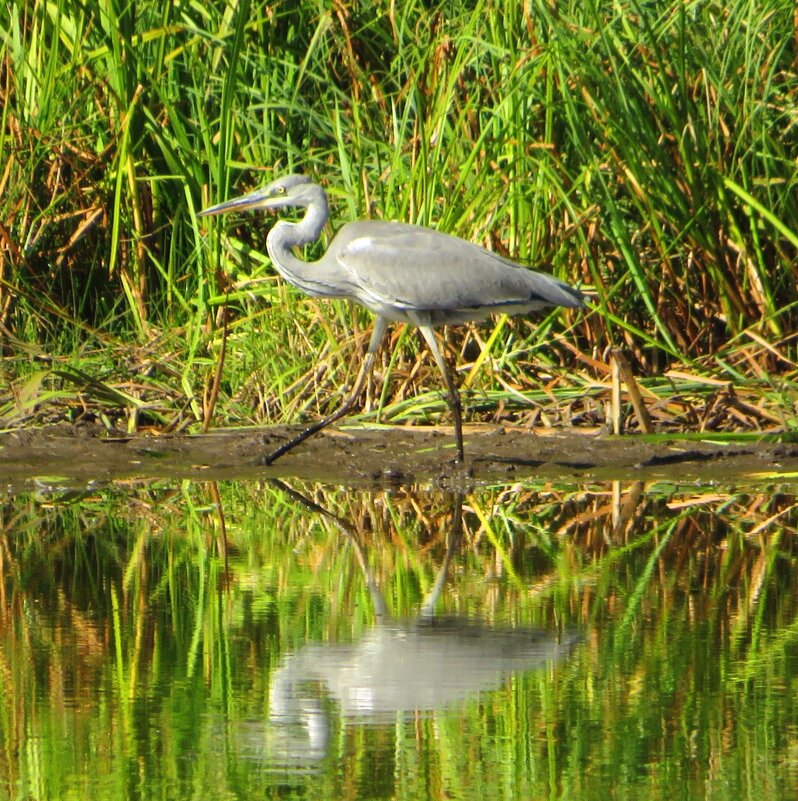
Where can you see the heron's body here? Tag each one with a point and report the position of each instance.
(400, 272)
(394, 268)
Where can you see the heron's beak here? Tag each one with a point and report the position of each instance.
(259, 199)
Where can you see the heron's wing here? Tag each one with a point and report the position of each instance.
(399, 267)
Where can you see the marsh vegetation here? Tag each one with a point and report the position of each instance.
(153, 606)
(643, 151)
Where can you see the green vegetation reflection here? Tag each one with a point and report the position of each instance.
(145, 629)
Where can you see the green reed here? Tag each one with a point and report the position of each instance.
(644, 151)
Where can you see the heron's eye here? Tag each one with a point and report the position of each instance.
(280, 190)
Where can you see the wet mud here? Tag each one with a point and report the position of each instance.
(358, 456)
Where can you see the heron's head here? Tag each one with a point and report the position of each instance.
(286, 192)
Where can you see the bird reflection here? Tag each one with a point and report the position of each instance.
(398, 669)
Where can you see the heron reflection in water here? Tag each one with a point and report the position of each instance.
(396, 669)
(401, 273)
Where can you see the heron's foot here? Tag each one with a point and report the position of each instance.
(276, 453)
(456, 476)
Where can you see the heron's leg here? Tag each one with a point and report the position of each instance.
(377, 335)
(454, 396)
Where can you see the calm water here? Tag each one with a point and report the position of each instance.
(524, 642)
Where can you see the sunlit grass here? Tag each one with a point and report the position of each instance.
(644, 152)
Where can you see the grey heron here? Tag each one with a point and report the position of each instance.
(401, 273)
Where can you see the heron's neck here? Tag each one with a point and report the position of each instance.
(286, 235)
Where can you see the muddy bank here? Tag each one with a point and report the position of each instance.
(367, 457)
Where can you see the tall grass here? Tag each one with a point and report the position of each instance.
(644, 151)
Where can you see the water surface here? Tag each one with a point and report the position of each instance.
(547, 640)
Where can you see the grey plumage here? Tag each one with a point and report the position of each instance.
(393, 267)
(400, 272)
